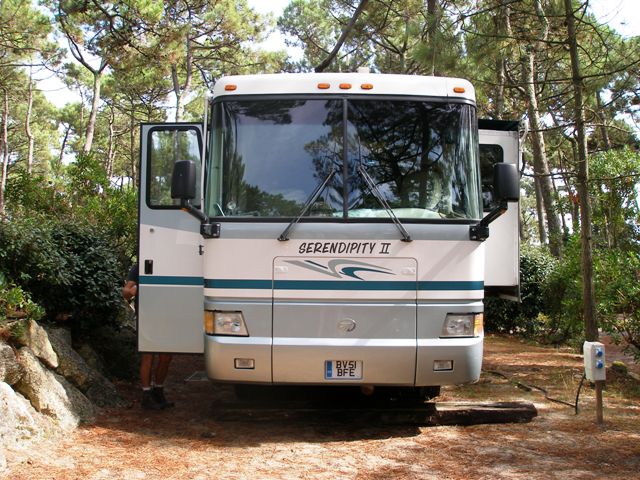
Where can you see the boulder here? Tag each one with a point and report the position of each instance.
(90, 356)
(20, 421)
(74, 368)
(10, 370)
(52, 394)
(70, 364)
(36, 338)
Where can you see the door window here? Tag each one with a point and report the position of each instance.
(166, 147)
(489, 156)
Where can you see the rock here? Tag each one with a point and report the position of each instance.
(52, 394)
(37, 340)
(74, 368)
(90, 356)
(118, 348)
(104, 394)
(10, 370)
(70, 364)
(19, 420)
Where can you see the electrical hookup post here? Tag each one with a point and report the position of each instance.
(595, 371)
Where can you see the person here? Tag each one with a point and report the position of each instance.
(152, 385)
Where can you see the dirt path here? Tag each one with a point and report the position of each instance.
(187, 442)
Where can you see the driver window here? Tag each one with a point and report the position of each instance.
(166, 147)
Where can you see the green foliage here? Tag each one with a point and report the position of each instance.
(16, 303)
(618, 296)
(69, 269)
(536, 265)
(27, 193)
(617, 287)
(564, 296)
(614, 195)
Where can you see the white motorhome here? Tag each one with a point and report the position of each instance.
(328, 229)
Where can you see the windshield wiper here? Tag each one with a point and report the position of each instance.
(284, 236)
(378, 194)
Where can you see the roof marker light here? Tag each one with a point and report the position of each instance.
(367, 86)
(459, 89)
(324, 86)
(345, 86)
(230, 87)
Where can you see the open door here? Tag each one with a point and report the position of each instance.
(500, 142)
(170, 292)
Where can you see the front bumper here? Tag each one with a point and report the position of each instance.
(402, 362)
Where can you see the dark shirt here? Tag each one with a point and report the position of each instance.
(133, 274)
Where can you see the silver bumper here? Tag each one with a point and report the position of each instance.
(405, 362)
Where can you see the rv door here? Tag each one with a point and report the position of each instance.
(499, 142)
(170, 292)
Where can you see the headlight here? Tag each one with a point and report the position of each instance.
(463, 325)
(225, 323)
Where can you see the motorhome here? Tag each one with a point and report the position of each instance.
(328, 229)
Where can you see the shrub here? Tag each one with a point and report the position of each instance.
(563, 294)
(618, 296)
(69, 268)
(536, 265)
(16, 303)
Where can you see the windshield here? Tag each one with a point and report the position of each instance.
(269, 157)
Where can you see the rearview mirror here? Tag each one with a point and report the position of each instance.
(183, 180)
(506, 188)
(506, 182)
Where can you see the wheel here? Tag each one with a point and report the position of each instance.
(421, 394)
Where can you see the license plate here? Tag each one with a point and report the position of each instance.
(343, 370)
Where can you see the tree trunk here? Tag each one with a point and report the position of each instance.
(542, 230)
(27, 127)
(91, 125)
(5, 150)
(132, 145)
(588, 290)
(503, 28)
(110, 143)
(604, 131)
(343, 36)
(62, 147)
(540, 163)
(432, 22)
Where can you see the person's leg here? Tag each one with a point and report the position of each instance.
(162, 369)
(148, 400)
(146, 362)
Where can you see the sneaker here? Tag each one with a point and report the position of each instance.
(158, 397)
(149, 402)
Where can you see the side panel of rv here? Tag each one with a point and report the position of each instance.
(170, 292)
(499, 142)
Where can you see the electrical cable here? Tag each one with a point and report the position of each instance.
(528, 388)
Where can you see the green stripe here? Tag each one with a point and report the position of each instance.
(170, 280)
(341, 285)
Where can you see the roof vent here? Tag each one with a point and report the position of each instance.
(364, 70)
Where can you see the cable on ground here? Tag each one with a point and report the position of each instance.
(529, 388)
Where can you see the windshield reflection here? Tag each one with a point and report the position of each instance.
(269, 155)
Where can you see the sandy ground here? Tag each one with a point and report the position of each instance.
(192, 441)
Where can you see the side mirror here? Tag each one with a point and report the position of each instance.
(506, 188)
(506, 182)
(183, 180)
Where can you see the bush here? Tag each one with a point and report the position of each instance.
(618, 296)
(536, 265)
(70, 269)
(564, 296)
(16, 303)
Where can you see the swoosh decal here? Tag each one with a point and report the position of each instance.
(333, 265)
